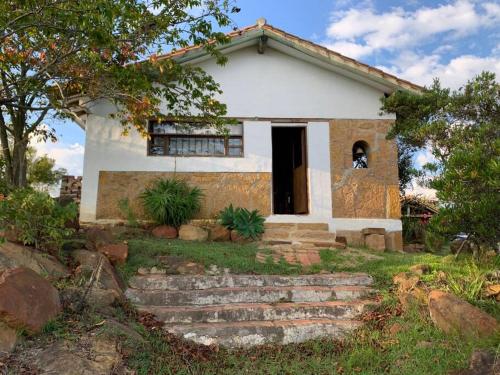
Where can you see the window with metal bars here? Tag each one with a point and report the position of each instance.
(164, 143)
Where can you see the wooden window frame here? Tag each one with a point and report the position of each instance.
(166, 142)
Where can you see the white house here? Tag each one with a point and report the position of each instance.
(303, 112)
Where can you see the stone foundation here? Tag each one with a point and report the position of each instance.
(249, 190)
(364, 193)
(393, 240)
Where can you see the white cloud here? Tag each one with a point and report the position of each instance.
(422, 69)
(68, 156)
(417, 189)
(360, 32)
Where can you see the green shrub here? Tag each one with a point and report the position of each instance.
(469, 283)
(413, 230)
(226, 217)
(171, 202)
(37, 219)
(249, 224)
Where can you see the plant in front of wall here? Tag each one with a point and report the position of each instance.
(248, 224)
(171, 202)
(227, 215)
(127, 211)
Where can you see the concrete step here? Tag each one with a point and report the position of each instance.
(259, 311)
(251, 333)
(268, 294)
(197, 282)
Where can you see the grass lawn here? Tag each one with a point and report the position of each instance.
(418, 348)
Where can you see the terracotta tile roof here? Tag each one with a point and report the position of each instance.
(317, 49)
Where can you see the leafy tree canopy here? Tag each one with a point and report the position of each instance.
(51, 50)
(462, 129)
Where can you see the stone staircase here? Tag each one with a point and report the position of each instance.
(297, 243)
(246, 310)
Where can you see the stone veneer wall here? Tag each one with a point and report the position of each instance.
(249, 190)
(364, 193)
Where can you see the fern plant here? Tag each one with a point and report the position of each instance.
(171, 202)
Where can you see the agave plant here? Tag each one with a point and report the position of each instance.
(171, 201)
(226, 217)
(249, 224)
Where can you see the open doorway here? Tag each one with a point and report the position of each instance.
(289, 171)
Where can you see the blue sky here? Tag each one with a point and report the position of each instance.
(416, 40)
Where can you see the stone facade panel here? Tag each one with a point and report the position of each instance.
(249, 190)
(364, 193)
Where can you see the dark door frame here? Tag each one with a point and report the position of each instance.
(304, 145)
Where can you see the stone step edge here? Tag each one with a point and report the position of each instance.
(237, 306)
(226, 296)
(259, 311)
(253, 333)
(344, 277)
(266, 323)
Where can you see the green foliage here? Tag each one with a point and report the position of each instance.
(226, 217)
(171, 201)
(37, 219)
(249, 224)
(413, 229)
(468, 283)
(239, 258)
(51, 52)
(41, 171)
(462, 130)
(128, 212)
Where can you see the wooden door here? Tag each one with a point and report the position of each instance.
(300, 202)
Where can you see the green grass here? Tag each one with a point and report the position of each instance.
(239, 258)
(419, 348)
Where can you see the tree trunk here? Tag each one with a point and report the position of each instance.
(19, 167)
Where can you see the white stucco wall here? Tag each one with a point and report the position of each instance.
(273, 85)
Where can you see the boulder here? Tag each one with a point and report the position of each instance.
(88, 261)
(394, 241)
(482, 362)
(420, 269)
(192, 233)
(451, 314)
(408, 291)
(27, 301)
(493, 291)
(238, 238)
(97, 237)
(175, 265)
(219, 233)
(116, 253)
(375, 241)
(14, 255)
(97, 356)
(8, 339)
(164, 231)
